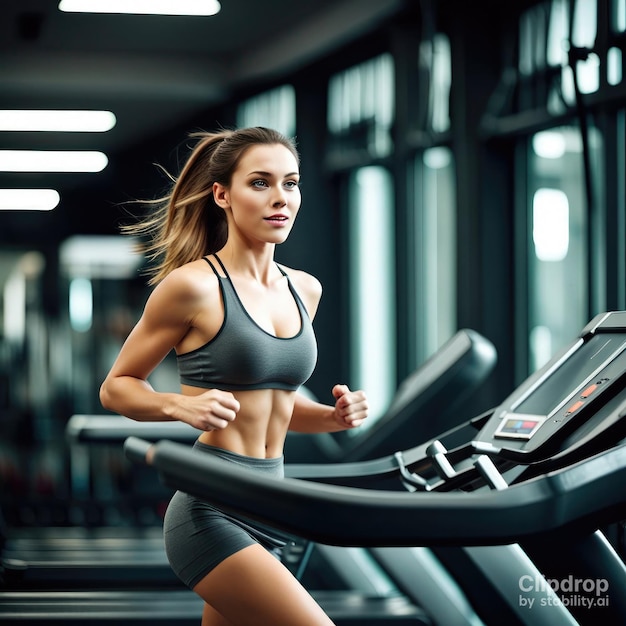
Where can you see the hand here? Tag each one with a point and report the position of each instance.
(211, 410)
(350, 407)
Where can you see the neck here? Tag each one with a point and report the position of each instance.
(250, 263)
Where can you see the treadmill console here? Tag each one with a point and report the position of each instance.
(563, 394)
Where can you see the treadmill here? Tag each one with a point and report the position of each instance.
(540, 476)
(537, 477)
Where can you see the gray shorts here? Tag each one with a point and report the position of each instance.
(198, 536)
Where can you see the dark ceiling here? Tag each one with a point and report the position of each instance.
(154, 70)
(154, 73)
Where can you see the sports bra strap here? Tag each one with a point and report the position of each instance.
(206, 258)
(221, 265)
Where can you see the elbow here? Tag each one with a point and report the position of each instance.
(105, 397)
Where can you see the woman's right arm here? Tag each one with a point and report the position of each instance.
(167, 318)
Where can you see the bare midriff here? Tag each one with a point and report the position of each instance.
(261, 424)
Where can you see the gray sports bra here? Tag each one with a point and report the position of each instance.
(243, 356)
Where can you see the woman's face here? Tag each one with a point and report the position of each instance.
(264, 197)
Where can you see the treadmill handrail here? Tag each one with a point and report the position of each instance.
(350, 516)
(437, 388)
(114, 429)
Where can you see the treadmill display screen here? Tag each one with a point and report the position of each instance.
(578, 370)
(517, 426)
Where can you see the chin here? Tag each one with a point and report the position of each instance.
(279, 238)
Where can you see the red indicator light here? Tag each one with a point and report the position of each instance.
(589, 391)
(574, 407)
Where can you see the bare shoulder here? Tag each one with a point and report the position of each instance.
(305, 283)
(186, 289)
(194, 277)
(307, 286)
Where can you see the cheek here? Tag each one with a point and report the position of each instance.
(297, 202)
(244, 203)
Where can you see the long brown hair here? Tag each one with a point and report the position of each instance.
(186, 224)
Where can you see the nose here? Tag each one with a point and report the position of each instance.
(280, 198)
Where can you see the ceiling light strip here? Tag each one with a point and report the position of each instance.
(56, 121)
(52, 161)
(142, 7)
(28, 199)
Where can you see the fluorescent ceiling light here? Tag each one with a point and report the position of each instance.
(52, 161)
(61, 121)
(28, 199)
(143, 7)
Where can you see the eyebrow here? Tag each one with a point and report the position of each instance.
(269, 175)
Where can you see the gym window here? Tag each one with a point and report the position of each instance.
(559, 250)
(435, 251)
(435, 59)
(274, 109)
(372, 287)
(360, 109)
(360, 117)
(570, 72)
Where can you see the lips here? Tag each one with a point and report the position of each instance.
(279, 218)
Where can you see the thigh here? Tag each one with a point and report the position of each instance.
(252, 587)
(198, 537)
(210, 617)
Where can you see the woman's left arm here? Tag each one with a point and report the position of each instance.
(349, 412)
(350, 407)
